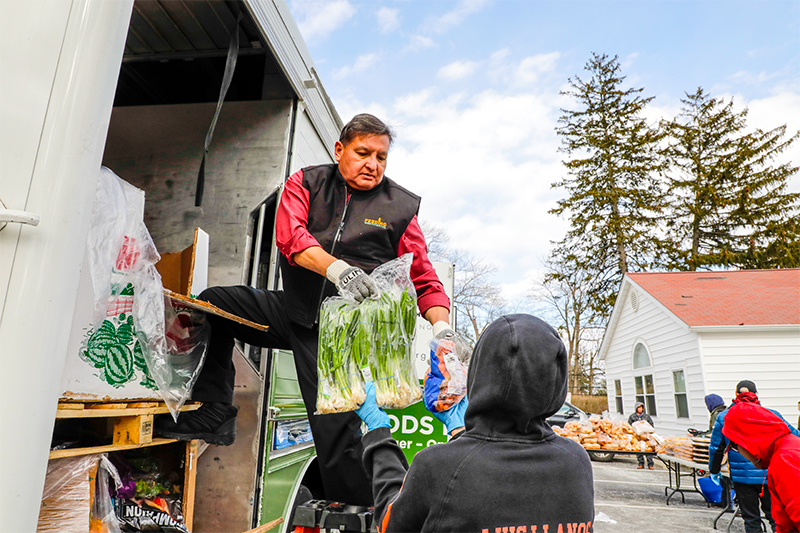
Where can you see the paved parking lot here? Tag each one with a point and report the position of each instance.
(635, 500)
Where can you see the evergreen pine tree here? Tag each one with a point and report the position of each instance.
(613, 190)
(728, 203)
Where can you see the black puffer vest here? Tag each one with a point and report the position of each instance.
(364, 231)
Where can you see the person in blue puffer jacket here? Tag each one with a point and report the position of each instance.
(749, 482)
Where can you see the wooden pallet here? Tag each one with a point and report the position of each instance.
(133, 428)
(133, 422)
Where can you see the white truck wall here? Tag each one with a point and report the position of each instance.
(62, 162)
(308, 148)
(769, 358)
(159, 148)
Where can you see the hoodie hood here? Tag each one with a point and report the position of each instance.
(713, 401)
(755, 429)
(636, 407)
(517, 378)
(747, 397)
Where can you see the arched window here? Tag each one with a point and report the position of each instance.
(643, 383)
(641, 357)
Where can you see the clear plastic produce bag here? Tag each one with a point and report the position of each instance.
(371, 340)
(104, 519)
(446, 381)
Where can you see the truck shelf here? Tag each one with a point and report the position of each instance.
(132, 427)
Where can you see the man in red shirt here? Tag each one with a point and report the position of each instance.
(335, 223)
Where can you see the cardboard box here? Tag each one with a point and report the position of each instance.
(68, 494)
(184, 275)
(186, 272)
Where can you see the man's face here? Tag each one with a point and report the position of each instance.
(363, 161)
(639, 409)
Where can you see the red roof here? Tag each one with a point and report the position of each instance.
(727, 298)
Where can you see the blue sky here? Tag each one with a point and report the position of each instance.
(472, 89)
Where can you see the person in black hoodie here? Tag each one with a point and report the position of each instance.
(507, 471)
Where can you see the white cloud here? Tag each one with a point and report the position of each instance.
(457, 70)
(388, 19)
(419, 42)
(774, 111)
(362, 63)
(500, 55)
(454, 17)
(628, 60)
(318, 18)
(483, 165)
(531, 69)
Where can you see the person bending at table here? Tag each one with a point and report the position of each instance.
(749, 482)
(766, 441)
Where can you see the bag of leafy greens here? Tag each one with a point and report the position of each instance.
(372, 340)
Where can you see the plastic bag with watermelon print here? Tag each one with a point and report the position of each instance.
(135, 326)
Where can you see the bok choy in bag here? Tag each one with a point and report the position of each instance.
(373, 341)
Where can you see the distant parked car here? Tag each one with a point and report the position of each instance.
(568, 413)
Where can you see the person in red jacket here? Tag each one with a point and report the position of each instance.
(766, 441)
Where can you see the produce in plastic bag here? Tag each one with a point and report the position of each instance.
(446, 381)
(187, 333)
(372, 340)
(104, 520)
(148, 496)
(339, 388)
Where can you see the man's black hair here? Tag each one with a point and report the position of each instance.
(364, 124)
(746, 383)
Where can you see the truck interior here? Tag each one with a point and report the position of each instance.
(176, 51)
(169, 84)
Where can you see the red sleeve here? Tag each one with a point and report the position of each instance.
(291, 220)
(430, 291)
(784, 486)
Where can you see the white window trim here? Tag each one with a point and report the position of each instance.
(674, 392)
(645, 371)
(643, 342)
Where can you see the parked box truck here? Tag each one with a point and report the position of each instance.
(136, 86)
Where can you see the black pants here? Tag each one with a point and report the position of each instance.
(748, 497)
(337, 437)
(640, 459)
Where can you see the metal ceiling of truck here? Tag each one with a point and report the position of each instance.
(176, 50)
(194, 28)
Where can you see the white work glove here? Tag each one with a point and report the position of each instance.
(352, 281)
(443, 331)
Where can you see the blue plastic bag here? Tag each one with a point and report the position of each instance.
(711, 489)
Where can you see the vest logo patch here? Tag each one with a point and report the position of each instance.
(377, 223)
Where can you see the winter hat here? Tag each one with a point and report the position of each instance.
(713, 401)
(751, 387)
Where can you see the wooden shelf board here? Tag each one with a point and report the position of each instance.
(71, 412)
(75, 452)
